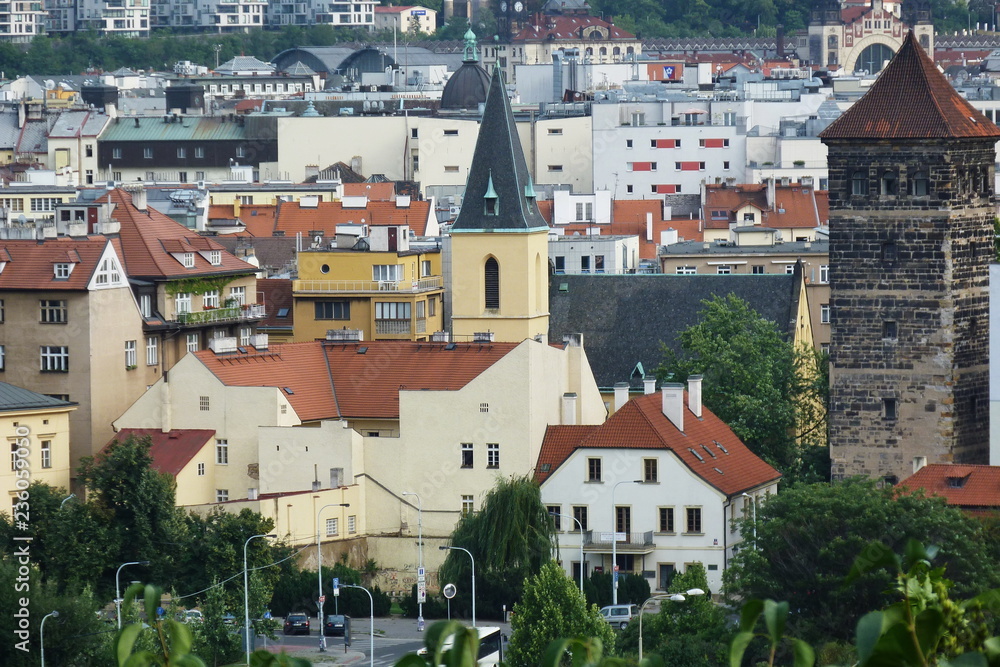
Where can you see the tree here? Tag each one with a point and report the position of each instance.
(807, 536)
(510, 537)
(755, 380)
(215, 640)
(552, 608)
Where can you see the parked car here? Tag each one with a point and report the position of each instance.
(335, 625)
(193, 616)
(620, 614)
(297, 624)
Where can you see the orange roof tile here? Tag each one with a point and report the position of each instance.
(333, 380)
(31, 264)
(970, 486)
(933, 109)
(385, 191)
(148, 237)
(640, 424)
(293, 218)
(276, 295)
(558, 443)
(563, 28)
(796, 205)
(171, 451)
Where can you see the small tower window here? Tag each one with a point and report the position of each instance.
(859, 182)
(492, 284)
(491, 201)
(919, 184)
(889, 182)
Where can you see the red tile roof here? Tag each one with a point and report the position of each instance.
(276, 295)
(640, 424)
(329, 381)
(148, 237)
(30, 264)
(293, 218)
(566, 28)
(969, 486)
(171, 451)
(796, 205)
(385, 191)
(933, 108)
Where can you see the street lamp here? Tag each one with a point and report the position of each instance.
(319, 574)
(673, 597)
(246, 596)
(118, 595)
(473, 578)
(371, 629)
(54, 614)
(72, 495)
(420, 546)
(581, 543)
(753, 499)
(614, 538)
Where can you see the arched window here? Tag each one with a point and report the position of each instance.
(859, 182)
(617, 51)
(491, 284)
(831, 42)
(919, 184)
(589, 51)
(889, 182)
(604, 51)
(925, 42)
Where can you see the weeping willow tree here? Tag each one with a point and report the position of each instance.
(511, 537)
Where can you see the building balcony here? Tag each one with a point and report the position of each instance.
(254, 311)
(628, 543)
(362, 286)
(392, 327)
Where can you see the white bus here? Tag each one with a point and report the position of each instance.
(490, 646)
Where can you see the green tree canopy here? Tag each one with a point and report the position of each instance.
(808, 535)
(552, 608)
(510, 537)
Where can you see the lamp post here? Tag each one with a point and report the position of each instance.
(246, 596)
(72, 495)
(673, 597)
(614, 538)
(581, 543)
(118, 595)
(319, 574)
(473, 578)
(371, 628)
(54, 614)
(420, 557)
(753, 500)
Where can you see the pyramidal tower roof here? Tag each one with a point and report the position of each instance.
(497, 196)
(911, 99)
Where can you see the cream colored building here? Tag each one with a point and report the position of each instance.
(406, 19)
(37, 428)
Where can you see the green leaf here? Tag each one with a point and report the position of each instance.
(738, 647)
(966, 660)
(874, 557)
(751, 611)
(554, 653)
(869, 630)
(180, 637)
(929, 627)
(411, 660)
(151, 600)
(775, 615)
(804, 655)
(125, 641)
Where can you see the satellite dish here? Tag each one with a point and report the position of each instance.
(23, 219)
(449, 591)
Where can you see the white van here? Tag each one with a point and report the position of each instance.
(620, 614)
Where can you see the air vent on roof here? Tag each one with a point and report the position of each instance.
(259, 341)
(440, 337)
(223, 344)
(718, 471)
(288, 390)
(719, 445)
(482, 337)
(696, 454)
(345, 335)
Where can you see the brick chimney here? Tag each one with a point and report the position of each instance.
(694, 395)
(673, 403)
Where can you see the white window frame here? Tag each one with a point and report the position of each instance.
(152, 350)
(201, 470)
(193, 343)
(182, 302)
(333, 527)
(131, 357)
(238, 294)
(387, 272)
(54, 358)
(221, 452)
(62, 270)
(46, 451)
(221, 495)
(210, 299)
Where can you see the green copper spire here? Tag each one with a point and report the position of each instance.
(471, 50)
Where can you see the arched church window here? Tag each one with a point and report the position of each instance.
(492, 283)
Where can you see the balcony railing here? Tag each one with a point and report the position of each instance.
(392, 327)
(626, 541)
(253, 311)
(342, 286)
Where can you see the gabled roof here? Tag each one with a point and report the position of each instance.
(334, 380)
(30, 265)
(190, 128)
(498, 168)
(245, 64)
(933, 108)
(385, 191)
(795, 205)
(566, 28)
(968, 486)
(148, 237)
(171, 451)
(725, 463)
(292, 217)
(624, 318)
(16, 399)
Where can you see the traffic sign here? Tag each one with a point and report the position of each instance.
(336, 587)
(322, 598)
(449, 591)
(421, 572)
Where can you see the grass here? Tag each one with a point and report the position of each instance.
(396, 610)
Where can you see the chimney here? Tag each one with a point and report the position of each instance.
(138, 194)
(649, 384)
(673, 403)
(569, 409)
(694, 395)
(621, 395)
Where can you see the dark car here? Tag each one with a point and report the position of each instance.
(335, 625)
(297, 624)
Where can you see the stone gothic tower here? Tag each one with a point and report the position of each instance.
(911, 238)
(499, 243)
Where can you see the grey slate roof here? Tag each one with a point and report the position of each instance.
(78, 124)
(498, 163)
(33, 138)
(299, 69)
(244, 64)
(624, 318)
(9, 131)
(14, 398)
(817, 247)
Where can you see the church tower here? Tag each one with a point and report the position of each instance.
(911, 238)
(499, 243)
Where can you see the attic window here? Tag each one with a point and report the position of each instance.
(362, 350)
(546, 467)
(710, 452)
(451, 133)
(718, 471)
(720, 446)
(215, 257)
(187, 259)
(696, 454)
(62, 270)
(288, 390)
(282, 312)
(957, 482)
(450, 346)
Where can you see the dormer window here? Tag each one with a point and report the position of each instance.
(491, 201)
(215, 257)
(187, 259)
(62, 270)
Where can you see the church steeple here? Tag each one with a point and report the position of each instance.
(498, 167)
